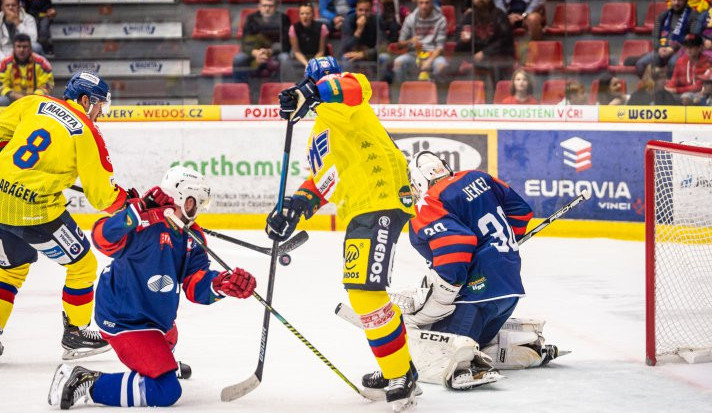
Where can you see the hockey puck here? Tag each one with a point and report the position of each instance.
(285, 259)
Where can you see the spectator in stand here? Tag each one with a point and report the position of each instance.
(575, 94)
(265, 43)
(44, 13)
(610, 90)
(528, 14)
(651, 90)
(671, 27)
(521, 90)
(424, 32)
(334, 12)
(484, 32)
(24, 73)
(307, 37)
(704, 97)
(15, 20)
(362, 32)
(689, 67)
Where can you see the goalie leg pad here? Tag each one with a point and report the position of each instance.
(513, 350)
(438, 355)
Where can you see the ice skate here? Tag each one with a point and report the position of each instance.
(80, 342)
(400, 392)
(375, 384)
(469, 378)
(71, 386)
(550, 352)
(184, 371)
(1, 348)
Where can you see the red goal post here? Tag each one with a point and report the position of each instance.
(678, 251)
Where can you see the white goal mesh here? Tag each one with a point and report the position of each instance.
(682, 246)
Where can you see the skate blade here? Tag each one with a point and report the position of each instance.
(487, 378)
(380, 394)
(55, 389)
(563, 353)
(73, 354)
(402, 405)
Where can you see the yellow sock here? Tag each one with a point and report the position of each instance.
(11, 280)
(78, 292)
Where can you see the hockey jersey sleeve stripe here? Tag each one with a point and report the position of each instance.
(396, 340)
(519, 230)
(104, 245)
(526, 217)
(189, 287)
(118, 202)
(452, 258)
(77, 297)
(344, 89)
(501, 182)
(452, 240)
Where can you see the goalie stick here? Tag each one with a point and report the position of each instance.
(171, 215)
(348, 314)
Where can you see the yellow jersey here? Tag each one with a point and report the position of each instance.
(34, 77)
(47, 143)
(354, 162)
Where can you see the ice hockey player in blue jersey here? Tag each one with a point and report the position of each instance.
(467, 225)
(137, 295)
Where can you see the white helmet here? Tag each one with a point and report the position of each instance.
(182, 183)
(424, 170)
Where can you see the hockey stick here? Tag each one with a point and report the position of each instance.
(171, 215)
(283, 249)
(349, 315)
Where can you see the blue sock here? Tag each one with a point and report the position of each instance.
(132, 389)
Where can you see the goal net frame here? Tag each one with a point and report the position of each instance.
(650, 225)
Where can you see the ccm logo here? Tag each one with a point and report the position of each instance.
(434, 337)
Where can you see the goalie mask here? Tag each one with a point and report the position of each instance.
(182, 183)
(424, 170)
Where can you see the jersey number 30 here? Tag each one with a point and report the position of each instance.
(28, 155)
(503, 241)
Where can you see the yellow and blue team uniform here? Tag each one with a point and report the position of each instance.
(467, 227)
(33, 77)
(356, 166)
(45, 144)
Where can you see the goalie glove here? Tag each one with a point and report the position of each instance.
(430, 303)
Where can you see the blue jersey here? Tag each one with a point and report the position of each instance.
(467, 227)
(140, 289)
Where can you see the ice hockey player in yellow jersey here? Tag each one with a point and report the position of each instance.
(45, 144)
(356, 166)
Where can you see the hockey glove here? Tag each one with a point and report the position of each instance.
(155, 197)
(151, 208)
(281, 224)
(437, 305)
(295, 102)
(237, 283)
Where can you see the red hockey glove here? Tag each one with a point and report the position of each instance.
(238, 283)
(155, 197)
(144, 215)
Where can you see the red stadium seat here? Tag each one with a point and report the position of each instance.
(243, 18)
(654, 9)
(381, 93)
(449, 13)
(616, 18)
(242, 1)
(269, 92)
(544, 56)
(201, 1)
(231, 94)
(418, 92)
(501, 91)
(589, 56)
(466, 92)
(293, 13)
(553, 91)
(218, 59)
(592, 97)
(631, 48)
(570, 18)
(212, 24)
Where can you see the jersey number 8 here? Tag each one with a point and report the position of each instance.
(28, 155)
(504, 241)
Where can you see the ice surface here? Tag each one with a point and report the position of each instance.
(590, 291)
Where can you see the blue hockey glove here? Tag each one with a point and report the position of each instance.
(281, 224)
(295, 102)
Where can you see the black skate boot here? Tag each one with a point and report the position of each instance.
(80, 342)
(375, 384)
(184, 371)
(400, 392)
(71, 386)
(550, 352)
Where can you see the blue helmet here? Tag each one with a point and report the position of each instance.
(90, 84)
(321, 66)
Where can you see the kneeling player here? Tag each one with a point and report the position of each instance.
(137, 296)
(467, 225)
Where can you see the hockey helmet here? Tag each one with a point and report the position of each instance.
(424, 170)
(90, 84)
(182, 183)
(319, 67)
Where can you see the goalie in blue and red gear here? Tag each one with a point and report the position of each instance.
(467, 225)
(137, 296)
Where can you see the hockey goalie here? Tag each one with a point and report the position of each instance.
(467, 225)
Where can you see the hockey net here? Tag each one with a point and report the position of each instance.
(678, 195)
